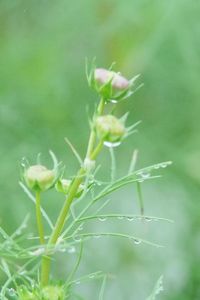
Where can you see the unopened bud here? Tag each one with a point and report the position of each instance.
(63, 186)
(110, 85)
(38, 177)
(110, 129)
(118, 82)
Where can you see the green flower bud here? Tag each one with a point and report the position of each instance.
(53, 293)
(110, 129)
(38, 177)
(63, 186)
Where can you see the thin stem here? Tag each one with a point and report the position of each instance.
(39, 218)
(46, 260)
(92, 154)
(92, 137)
(113, 163)
(140, 198)
(97, 150)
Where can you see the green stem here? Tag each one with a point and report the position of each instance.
(92, 154)
(92, 137)
(140, 198)
(97, 150)
(39, 218)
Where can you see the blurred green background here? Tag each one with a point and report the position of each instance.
(44, 97)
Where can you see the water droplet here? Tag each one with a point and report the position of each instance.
(113, 101)
(80, 228)
(136, 241)
(71, 250)
(11, 292)
(145, 175)
(102, 219)
(111, 145)
(130, 218)
(140, 180)
(120, 217)
(96, 236)
(147, 219)
(164, 165)
(156, 167)
(77, 282)
(77, 238)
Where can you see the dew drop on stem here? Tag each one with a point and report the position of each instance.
(113, 101)
(102, 219)
(130, 218)
(71, 250)
(11, 292)
(136, 241)
(141, 180)
(145, 175)
(80, 228)
(111, 145)
(97, 236)
(77, 238)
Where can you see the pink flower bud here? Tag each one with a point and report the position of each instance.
(118, 82)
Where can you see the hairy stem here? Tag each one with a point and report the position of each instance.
(91, 154)
(39, 218)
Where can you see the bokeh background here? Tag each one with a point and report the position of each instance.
(44, 97)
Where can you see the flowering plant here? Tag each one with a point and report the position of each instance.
(28, 268)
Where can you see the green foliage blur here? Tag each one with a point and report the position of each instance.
(44, 97)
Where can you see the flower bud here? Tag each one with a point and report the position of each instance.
(38, 177)
(110, 85)
(110, 129)
(118, 82)
(53, 293)
(63, 186)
